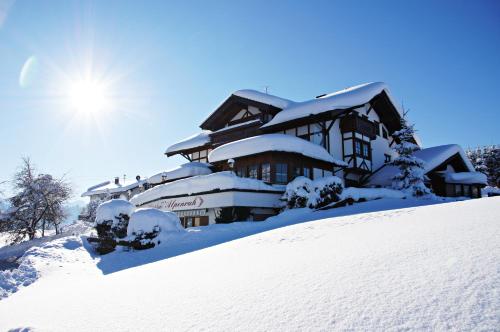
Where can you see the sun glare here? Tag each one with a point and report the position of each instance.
(88, 97)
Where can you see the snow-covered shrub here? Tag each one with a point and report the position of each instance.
(148, 227)
(299, 193)
(112, 218)
(304, 192)
(328, 190)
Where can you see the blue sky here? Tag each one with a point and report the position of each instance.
(168, 64)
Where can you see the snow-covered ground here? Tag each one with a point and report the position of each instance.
(434, 267)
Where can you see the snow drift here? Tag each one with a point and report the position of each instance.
(421, 268)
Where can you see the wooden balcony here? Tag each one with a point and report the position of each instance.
(356, 123)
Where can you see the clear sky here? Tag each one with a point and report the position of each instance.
(162, 66)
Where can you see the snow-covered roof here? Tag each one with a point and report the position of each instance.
(271, 142)
(201, 183)
(432, 157)
(182, 171)
(191, 142)
(110, 187)
(264, 98)
(343, 99)
(257, 96)
(466, 178)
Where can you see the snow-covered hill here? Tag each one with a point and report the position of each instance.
(420, 268)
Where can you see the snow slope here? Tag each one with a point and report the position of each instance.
(434, 267)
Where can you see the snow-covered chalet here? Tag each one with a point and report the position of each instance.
(254, 143)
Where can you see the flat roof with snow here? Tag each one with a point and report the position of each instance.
(203, 184)
(272, 142)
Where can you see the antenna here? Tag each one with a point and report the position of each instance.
(124, 177)
(266, 89)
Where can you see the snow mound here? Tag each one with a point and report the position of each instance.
(199, 184)
(148, 220)
(36, 260)
(194, 141)
(271, 142)
(111, 210)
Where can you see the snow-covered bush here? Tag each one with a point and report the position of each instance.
(328, 190)
(148, 227)
(112, 218)
(299, 193)
(304, 192)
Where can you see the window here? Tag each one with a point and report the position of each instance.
(387, 158)
(297, 171)
(357, 147)
(195, 155)
(302, 131)
(253, 171)
(241, 172)
(266, 172)
(466, 190)
(307, 172)
(281, 173)
(366, 150)
(475, 192)
(458, 190)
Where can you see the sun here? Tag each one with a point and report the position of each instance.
(88, 96)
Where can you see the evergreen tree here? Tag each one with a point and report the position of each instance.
(410, 178)
(487, 160)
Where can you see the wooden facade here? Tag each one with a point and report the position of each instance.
(275, 167)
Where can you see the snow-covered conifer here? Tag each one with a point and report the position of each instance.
(410, 177)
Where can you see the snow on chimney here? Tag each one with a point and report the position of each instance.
(138, 178)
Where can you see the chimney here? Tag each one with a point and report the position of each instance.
(138, 178)
(117, 180)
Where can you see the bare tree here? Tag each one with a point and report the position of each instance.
(37, 204)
